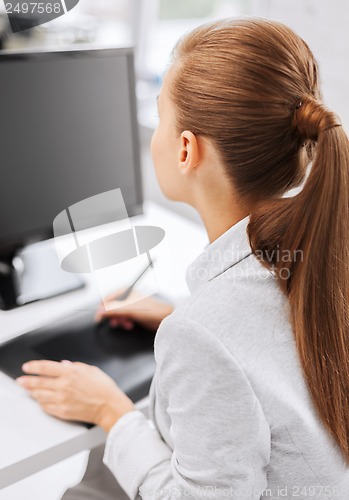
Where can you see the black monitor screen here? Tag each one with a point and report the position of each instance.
(68, 131)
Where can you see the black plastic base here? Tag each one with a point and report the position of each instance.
(8, 289)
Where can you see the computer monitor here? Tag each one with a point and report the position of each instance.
(68, 131)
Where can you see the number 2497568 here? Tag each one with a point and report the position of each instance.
(33, 8)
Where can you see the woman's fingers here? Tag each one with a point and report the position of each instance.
(111, 306)
(147, 311)
(76, 391)
(45, 367)
(36, 383)
(121, 322)
(44, 374)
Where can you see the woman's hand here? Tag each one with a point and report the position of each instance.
(76, 391)
(146, 311)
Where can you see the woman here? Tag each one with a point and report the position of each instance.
(251, 393)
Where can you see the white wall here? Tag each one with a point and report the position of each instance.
(323, 24)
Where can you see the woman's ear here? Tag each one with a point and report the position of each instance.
(189, 154)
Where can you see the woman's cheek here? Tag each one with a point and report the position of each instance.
(154, 146)
(162, 162)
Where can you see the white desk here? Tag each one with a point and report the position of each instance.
(31, 440)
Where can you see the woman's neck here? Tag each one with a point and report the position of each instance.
(217, 220)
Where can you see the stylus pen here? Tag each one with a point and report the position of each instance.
(128, 290)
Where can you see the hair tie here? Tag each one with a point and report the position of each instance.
(314, 118)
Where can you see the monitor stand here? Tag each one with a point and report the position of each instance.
(33, 273)
(8, 293)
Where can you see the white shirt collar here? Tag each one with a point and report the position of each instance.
(224, 252)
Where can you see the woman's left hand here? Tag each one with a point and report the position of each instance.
(75, 391)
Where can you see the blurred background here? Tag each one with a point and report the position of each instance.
(153, 27)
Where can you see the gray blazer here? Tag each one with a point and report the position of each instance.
(230, 413)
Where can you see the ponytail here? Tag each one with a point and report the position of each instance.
(313, 227)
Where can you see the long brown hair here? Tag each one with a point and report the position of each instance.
(252, 87)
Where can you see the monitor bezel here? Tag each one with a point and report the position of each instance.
(9, 243)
